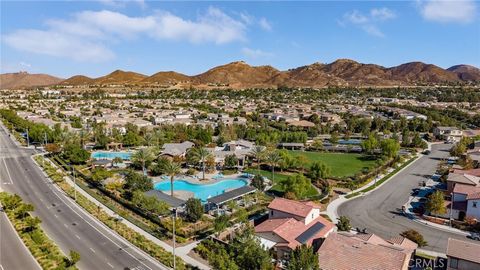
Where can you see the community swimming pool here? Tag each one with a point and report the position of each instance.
(202, 191)
(111, 155)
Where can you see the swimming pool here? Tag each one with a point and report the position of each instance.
(111, 155)
(202, 191)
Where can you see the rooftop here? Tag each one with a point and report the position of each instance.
(463, 250)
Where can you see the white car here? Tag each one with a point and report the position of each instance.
(475, 236)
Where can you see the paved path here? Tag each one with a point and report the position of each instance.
(380, 210)
(69, 226)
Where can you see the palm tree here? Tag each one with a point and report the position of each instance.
(273, 159)
(143, 156)
(258, 152)
(201, 155)
(117, 160)
(171, 169)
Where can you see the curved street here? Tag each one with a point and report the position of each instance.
(380, 211)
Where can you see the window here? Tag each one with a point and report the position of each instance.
(271, 213)
(453, 263)
(474, 204)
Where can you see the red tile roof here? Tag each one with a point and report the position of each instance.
(475, 172)
(466, 189)
(463, 250)
(473, 196)
(346, 252)
(292, 207)
(289, 229)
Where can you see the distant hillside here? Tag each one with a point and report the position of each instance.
(120, 77)
(237, 75)
(466, 72)
(25, 79)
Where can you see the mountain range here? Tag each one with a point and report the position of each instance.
(342, 72)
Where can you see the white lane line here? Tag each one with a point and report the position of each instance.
(65, 225)
(8, 172)
(1, 267)
(109, 264)
(55, 215)
(76, 235)
(93, 250)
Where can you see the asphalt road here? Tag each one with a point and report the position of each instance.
(379, 211)
(13, 253)
(65, 222)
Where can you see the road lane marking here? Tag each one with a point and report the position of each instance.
(76, 235)
(65, 225)
(8, 172)
(93, 250)
(109, 264)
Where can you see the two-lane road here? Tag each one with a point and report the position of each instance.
(379, 210)
(64, 221)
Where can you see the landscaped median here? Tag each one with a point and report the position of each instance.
(123, 230)
(43, 249)
(379, 182)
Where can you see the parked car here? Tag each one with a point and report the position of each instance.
(475, 236)
(427, 152)
(415, 192)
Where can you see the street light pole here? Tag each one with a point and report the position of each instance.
(74, 183)
(174, 218)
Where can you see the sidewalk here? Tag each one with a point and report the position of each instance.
(181, 252)
(333, 206)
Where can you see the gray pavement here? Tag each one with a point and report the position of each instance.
(65, 222)
(380, 210)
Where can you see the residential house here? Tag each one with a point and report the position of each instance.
(176, 149)
(448, 133)
(291, 224)
(462, 255)
(464, 187)
(345, 251)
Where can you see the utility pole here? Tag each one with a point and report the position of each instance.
(74, 183)
(174, 218)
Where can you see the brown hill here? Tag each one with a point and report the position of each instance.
(420, 72)
(77, 80)
(120, 77)
(237, 74)
(166, 77)
(466, 72)
(24, 79)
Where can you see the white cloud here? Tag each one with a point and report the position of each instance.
(122, 3)
(255, 53)
(382, 14)
(58, 44)
(368, 23)
(461, 11)
(26, 65)
(86, 36)
(265, 24)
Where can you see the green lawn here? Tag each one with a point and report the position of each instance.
(279, 178)
(341, 164)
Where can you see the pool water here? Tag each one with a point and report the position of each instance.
(111, 155)
(202, 191)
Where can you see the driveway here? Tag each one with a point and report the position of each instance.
(380, 211)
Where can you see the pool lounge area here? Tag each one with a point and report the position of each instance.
(111, 155)
(202, 191)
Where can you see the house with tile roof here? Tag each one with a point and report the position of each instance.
(462, 255)
(345, 251)
(464, 187)
(291, 224)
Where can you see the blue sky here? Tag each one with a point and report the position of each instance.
(93, 38)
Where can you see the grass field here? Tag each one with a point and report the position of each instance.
(341, 164)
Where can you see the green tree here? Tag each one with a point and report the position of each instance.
(415, 237)
(75, 154)
(390, 147)
(150, 204)
(171, 169)
(369, 145)
(31, 223)
(143, 157)
(344, 224)
(297, 184)
(193, 209)
(230, 161)
(220, 223)
(319, 171)
(273, 159)
(74, 257)
(158, 168)
(436, 203)
(258, 152)
(135, 181)
(303, 258)
(249, 252)
(201, 155)
(100, 174)
(117, 160)
(258, 182)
